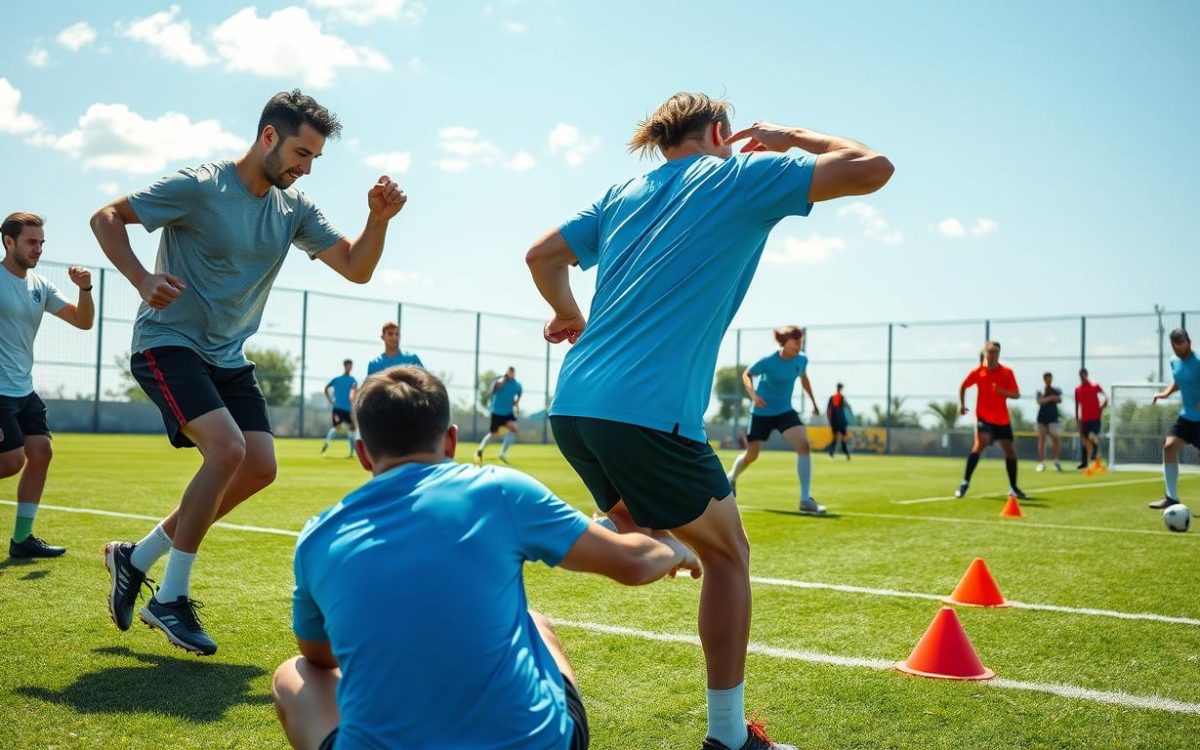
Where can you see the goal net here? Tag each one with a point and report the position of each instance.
(1137, 428)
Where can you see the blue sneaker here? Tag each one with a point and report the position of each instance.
(179, 621)
(127, 582)
(31, 546)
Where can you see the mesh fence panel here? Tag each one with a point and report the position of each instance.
(1139, 427)
(65, 355)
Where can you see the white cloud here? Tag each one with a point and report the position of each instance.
(513, 27)
(76, 36)
(520, 162)
(111, 136)
(952, 228)
(109, 188)
(874, 226)
(456, 131)
(172, 39)
(12, 119)
(467, 149)
(815, 248)
(38, 57)
(390, 162)
(452, 165)
(573, 145)
(984, 226)
(289, 44)
(363, 12)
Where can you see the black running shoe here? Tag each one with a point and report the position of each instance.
(758, 740)
(31, 546)
(179, 621)
(1166, 502)
(127, 582)
(962, 489)
(1015, 491)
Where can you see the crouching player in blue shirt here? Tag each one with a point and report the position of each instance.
(410, 609)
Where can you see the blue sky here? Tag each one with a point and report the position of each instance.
(1046, 153)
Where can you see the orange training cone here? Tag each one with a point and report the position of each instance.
(945, 652)
(1012, 509)
(977, 588)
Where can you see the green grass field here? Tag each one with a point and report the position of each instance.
(69, 679)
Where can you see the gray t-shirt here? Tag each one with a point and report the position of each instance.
(22, 302)
(227, 246)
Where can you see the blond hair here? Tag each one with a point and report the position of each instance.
(679, 118)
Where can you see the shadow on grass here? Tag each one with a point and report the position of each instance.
(16, 563)
(818, 516)
(182, 687)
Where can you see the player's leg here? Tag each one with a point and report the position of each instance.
(1010, 464)
(510, 437)
(1056, 436)
(256, 472)
(351, 433)
(846, 444)
(1083, 446)
(492, 434)
(982, 440)
(579, 739)
(1042, 431)
(31, 433)
(306, 702)
(1171, 449)
(744, 459)
(797, 435)
(335, 420)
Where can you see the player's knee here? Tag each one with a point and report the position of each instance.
(263, 471)
(228, 456)
(39, 453)
(11, 463)
(803, 448)
(285, 682)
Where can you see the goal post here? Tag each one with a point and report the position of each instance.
(1137, 428)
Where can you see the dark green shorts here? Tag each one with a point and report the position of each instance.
(665, 480)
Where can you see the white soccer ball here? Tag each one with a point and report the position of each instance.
(1177, 518)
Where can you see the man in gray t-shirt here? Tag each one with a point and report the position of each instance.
(226, 229)
(24, 435)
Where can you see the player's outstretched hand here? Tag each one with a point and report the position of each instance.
(690, 562)
(160, 289)
(764, 136)
(386, 198)
(559, 330)
(816, 412)
(963, 410)
(80, 276)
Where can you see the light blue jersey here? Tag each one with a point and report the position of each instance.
(1187, 378)
(505, 396)
(22, 303)
(383, 361)
(343, 386)
(776, 381)
(415, 580)
(676, 250)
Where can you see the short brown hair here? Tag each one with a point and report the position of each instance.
(288, 110)
(15, 223)
(389, 326)
(679, 118)
(401, 411)
(787, 333)
(1179, 336)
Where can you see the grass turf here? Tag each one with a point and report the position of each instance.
(69, 679)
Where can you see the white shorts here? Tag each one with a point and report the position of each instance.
(1054, 428)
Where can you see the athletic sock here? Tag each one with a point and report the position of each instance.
(1096, 450)
(483, 443)
(1083, 453)
(509, 439)
(177, 579)
(1010, 465)
(972, 462)
(804, 471)
(845, 449)
(832, 447)
(330, 435)
(152, 547)
(1171, 479)
(351, 436)
(727, 716)
(739, 465)
(26, 512)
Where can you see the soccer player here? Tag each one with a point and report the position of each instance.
(994, 385)
(24, 435)
(506, 398)
(424, 637)
(1088, 412)
(392, 356)
(676, 250)
(837, 411)
(340, 394)
(1047, 422)
(772, 399)
(1185, 374)
(227, 227)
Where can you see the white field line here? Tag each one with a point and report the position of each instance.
(116, 514)
(1074, 692)
(1036, 493)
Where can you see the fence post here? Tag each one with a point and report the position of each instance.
(99, 352)
(987, 330)
(887, 430)
(737, 406)
(400, 316)
(303, 357)
(1158, 310)
(546, 421)
(1082, 341)
(475, 388)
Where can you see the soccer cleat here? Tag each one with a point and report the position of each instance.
(31, 546)
(811, 506)
(127, 582)
(962, 489)
(1015, 491)
(1057, 466)
(479, 457)
(505, 460)
(1041, 468)
(1166, 502)
(180, 623)
(324, 447)
(758, 740)
(1082, 466)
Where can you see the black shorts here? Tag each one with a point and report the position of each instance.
(839, 427)
(579, 736)
(21, 416)
(665, 480)
(343, 415)
(500, 420)
(1090, 427)
(995, 431)
(1187, 431)
(183, 387)
(761, 426)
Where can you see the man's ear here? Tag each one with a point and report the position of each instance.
(360, 449)
(451, 442)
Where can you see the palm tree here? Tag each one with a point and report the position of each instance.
(899, 417)
(947, 412)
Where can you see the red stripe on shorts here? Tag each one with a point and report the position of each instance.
(162, 386)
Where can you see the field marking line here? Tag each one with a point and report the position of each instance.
(1073, 692)
(1034, 493)
(143, 517)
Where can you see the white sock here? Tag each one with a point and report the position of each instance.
(509, 439)
(330, 435)
(727, 716)
(1171, 479)
(739, 465)
(148, 551)
(483, 443)
(351, 436)
(804, 471)
(27, 510)
(177, 579)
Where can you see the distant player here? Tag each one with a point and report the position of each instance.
(1185, 374)
(837, 412)
(506, 399)
(24, 434)
(340, 394)
(772, 398)
(994, 385)
(1089, 410)
(1047, 422)
(392, 356)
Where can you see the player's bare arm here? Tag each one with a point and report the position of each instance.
(549, 261)
(356, 261)
(109, 225)
(81, 314)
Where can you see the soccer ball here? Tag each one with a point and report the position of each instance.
(1177, 518)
